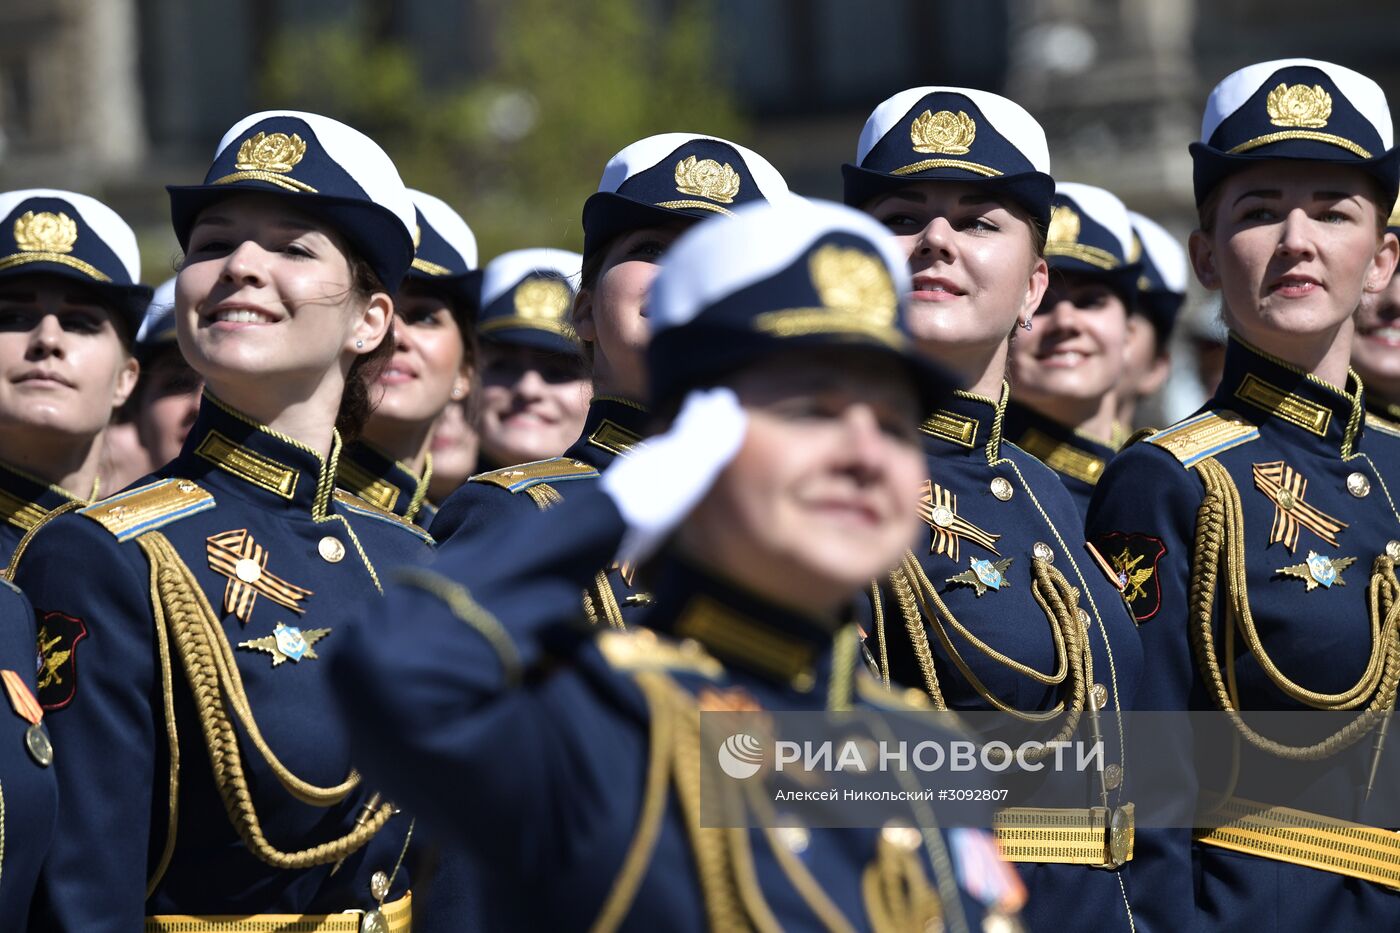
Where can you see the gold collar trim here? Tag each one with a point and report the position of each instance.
(325, 482)
(952, 427)
(249, 465)
(1294, 409)
(732, 636)
(1061, 456)
(614, 438)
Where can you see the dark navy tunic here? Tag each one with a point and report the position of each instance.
(1078, 460)
(525, 732)
(24, 501)
(1316, 504)
(282, 559)
(992, 508)
(368, 472)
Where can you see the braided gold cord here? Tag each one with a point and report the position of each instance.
(877, 607)
(194, 628)
(1220, 544)
(914, 625)
(897, 892)
(660, 736)
(606, 599)
(172, 737)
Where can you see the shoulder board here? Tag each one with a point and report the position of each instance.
(1377, 423)
(11, 587)
(642, 650)
(1204, 436)
(368, 509)
(521, 477)
(149, 507)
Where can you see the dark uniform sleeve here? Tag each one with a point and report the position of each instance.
(100, 689)
(473, 506)
(465, 698)
(1142, 520)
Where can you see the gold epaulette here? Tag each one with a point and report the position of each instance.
(642, 650)
(368, 509)
(149, 507)
(1205, 435)
(534, 479)
(1375, 422)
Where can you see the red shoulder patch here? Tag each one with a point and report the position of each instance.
(1134, 557)
(57, 663)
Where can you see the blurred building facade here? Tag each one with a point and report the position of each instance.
(119, 97)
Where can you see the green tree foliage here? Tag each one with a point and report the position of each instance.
(518, 147)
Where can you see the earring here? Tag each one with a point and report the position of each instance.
(457, 392)
(1026, 324)
(359, 344)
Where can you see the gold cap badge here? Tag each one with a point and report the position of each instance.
(45, 232)
(706, 178)
(542, 300)
(943, 132)
(276, 152)
(1064, 225)
(1299, 105)
(854, 282)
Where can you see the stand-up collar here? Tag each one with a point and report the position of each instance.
(25, 499)
(1058, 446)
(380, 480)
(227, 450)
(740, 628)
(1278, 395)
(613, 427)
(967, 423)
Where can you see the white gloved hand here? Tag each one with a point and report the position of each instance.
(658, 484)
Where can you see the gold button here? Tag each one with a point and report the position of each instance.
(247, 570)
(1392, 550)
(1113, 776)
(902, 837)
(1099, 696)
(1083, 617)
(1286, 500)
(1001, 488)
(331, 549)
(804, 681)
(1041, 551)
(942, 516)
(379, 885)
(1358, 485)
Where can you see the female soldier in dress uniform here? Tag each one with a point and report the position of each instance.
(534, 379)
(203, 773)
(1375, 351)
(783, 487)
(391, 465)
(964, 616)
(166, 401)
(1064, 372)
(70, 304)
(1265, 518)
(650, 192)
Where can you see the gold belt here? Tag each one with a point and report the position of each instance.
(1309, 839)
(395, 917)
(1097, 836)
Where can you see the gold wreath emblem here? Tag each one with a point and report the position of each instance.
(542, 300)
(1299, 105)
(45, 232)
(856, 283)
(275, 153)
(1064, 225)
(943, 132)
(706, 178)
